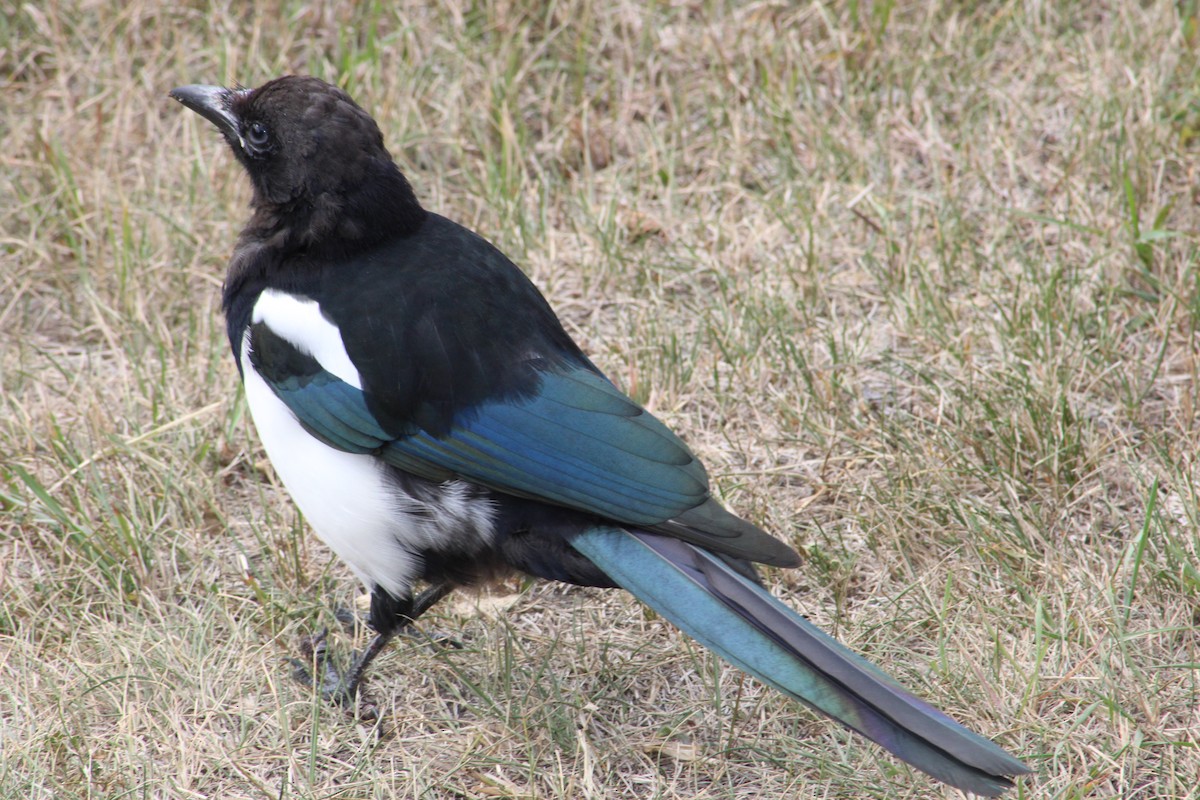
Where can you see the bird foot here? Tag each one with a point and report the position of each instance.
(316, 668)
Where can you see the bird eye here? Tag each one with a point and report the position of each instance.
(257, 136)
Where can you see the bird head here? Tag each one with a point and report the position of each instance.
(317, 160)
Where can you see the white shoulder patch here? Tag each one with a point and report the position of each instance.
(299, 320)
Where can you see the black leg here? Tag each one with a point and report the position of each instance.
(389, 616)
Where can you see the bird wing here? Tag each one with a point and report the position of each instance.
(744, 624)
(576, 441)
(568, 437)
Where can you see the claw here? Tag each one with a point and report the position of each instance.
(336, 685)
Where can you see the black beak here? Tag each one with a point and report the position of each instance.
(213, 103)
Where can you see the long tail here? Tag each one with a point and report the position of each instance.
(747, 626)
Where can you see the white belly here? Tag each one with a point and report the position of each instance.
(344, 496)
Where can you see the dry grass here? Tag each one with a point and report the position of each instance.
(919, 281)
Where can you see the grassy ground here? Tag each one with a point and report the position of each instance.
(917, 280)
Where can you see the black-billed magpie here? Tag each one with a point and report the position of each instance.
(434, 422)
